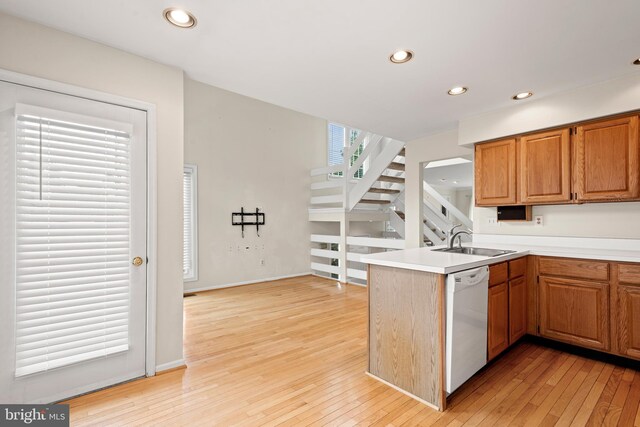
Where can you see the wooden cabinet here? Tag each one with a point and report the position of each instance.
(545, 167)
(607, 156)
(498, 320)
(517, 309)
(495, 173)
(507, 310)
(594, 161)
(589, 303)
(629, 321)
(574, 311)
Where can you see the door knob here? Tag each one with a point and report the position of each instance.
(137, 261)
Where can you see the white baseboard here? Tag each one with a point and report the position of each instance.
(362, 285)
(248, 282)
(169, 365)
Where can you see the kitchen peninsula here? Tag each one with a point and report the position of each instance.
(407, 303)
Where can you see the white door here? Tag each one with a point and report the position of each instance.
(72, 221)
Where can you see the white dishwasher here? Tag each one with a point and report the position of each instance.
(466, 325)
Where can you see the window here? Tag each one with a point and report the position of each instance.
(73, 186)
(190, 224)
(336, 143)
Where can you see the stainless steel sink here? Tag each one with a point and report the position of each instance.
(475, 251)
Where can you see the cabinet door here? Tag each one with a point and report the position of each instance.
(575, 311)
(629, 321)
(495, 173)
(545, 167)
(517, 309)
(607, 160)
(498, 320)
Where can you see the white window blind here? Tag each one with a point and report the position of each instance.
(189, 247)
(337, 135)
(336, 144)
(72, 238)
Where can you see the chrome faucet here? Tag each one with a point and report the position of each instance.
(449, 233)
(457, 235)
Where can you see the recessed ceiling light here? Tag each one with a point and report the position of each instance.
(180, 17)
(455, 182)
(401, 56)
(458, 90)
(522, 95)
(636, 62)
(442, 179)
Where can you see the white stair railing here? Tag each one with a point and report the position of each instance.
(397, 223)
(349, 266)
(345, 192)
(461, 217)
(377, 165)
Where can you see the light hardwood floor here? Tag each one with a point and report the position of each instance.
(293, 353)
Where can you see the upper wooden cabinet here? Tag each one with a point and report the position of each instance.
(545, 167)
(495, 173)
(598, 162)
(607, 156)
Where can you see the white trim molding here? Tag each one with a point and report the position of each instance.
(248, 282)
(170, 365)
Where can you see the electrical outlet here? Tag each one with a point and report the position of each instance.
(262, 262)
(492, 221)
(538, 221)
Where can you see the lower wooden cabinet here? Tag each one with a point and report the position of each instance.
(629, 321)
(498, 320)
(574, 311)
(517, 308)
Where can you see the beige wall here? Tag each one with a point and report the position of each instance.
(613, 220)
(434, 147)
(250, 154)
(602, 99)
(35, 50)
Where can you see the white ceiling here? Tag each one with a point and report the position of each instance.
(455, 176)
(329, 58)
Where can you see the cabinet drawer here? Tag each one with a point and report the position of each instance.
(580, 268)
(629, 273)
(517, 268)
(498, 273)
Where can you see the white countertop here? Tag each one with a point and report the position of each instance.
(425, 259)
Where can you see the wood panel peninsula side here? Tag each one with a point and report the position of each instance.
(406, 332)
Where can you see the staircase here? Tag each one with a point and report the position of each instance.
(338, 201)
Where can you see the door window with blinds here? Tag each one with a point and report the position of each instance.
(73, 222)
(72, 238)
(190, 223)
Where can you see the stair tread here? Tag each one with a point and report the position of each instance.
(375, 202)
(383, 190)
(396, 166)
(401, 153)
(400, 214)
(387, 178)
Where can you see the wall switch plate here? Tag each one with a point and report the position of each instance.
(538, 220)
